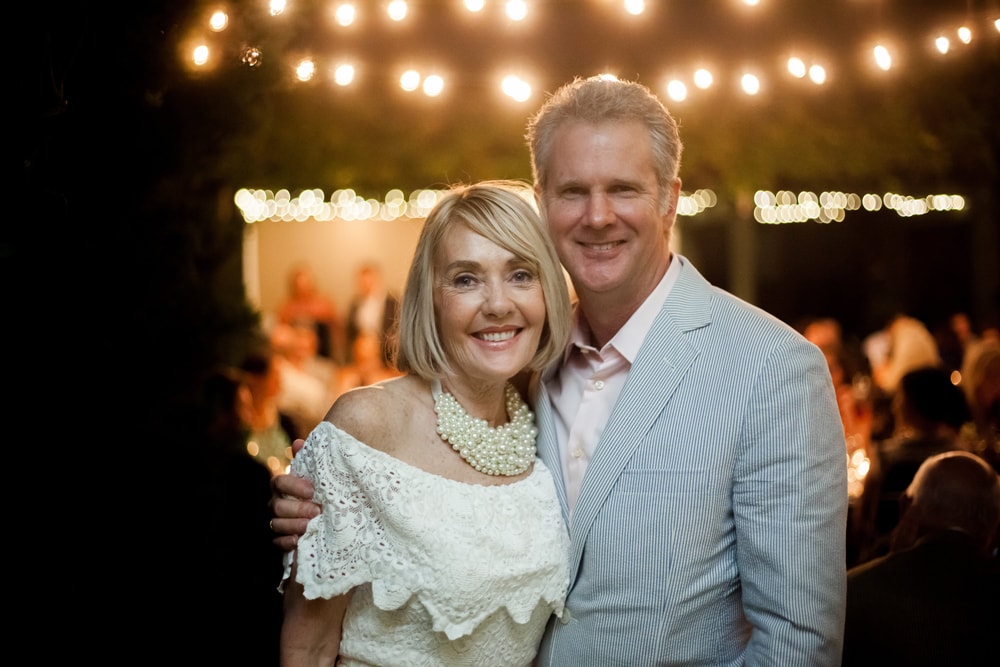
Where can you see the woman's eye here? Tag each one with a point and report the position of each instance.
(463, 281)
(523, 276)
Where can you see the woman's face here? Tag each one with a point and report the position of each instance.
(489, 306)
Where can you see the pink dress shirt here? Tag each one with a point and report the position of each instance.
(586, 388)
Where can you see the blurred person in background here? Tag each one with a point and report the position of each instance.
(904, 345)
(373, 313)
(271, 431)
(308, 381)
(853, 386)
(305, 304)
(368, 367)
(235, 618)
(850, 376)
(954, 335)
(928, 414)
(981, 385)
(934, 599)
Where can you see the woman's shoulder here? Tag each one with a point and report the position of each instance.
(372, 413)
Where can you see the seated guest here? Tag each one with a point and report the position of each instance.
(270, 430)
(308, 381)
(306, 305)
(933, 600)
(928, 414)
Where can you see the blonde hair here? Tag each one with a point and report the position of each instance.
(501, 211)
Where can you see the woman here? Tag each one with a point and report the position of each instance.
(441, 540)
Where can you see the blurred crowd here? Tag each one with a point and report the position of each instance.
(308, 354)
(907, 392)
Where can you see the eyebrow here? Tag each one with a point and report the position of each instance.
(464, 264)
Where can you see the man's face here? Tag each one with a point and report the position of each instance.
(602, 205)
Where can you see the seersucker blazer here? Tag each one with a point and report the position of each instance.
(711, 524)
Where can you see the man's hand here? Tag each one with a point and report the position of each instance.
(291, 505)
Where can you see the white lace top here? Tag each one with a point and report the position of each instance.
(445, 573)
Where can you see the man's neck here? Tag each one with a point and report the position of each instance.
(607, 312)
(604, 318)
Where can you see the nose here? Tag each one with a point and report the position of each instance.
(497, 301)
(599, 210)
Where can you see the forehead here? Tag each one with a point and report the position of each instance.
(460, 244)
(614, 149)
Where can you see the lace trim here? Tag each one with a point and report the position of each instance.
(463, 551)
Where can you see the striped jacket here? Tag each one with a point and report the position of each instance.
(711, 524)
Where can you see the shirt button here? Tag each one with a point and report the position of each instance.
(599, 384)
(577, 453)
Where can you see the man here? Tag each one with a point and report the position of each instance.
(373, 312)
(702, 456)
(933, 600)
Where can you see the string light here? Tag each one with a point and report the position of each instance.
(219, 21)
(346, 14)
(343, 74)
(635, 7)
(771, 208)
(677, 90)
(783, 207)
(796, 67)
(397, 10)
(517, 10)
(750, 84)
(817, 74)
(259, 205)
(883, 59)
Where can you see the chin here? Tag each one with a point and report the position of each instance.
(506, 371)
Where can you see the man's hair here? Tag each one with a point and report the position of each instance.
(502, 212)
(929, 393)
(600, 99)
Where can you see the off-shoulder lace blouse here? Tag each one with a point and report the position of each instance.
(445, 573)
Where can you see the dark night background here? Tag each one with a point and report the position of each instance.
(122, 260)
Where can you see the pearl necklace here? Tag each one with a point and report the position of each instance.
(508, 449)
